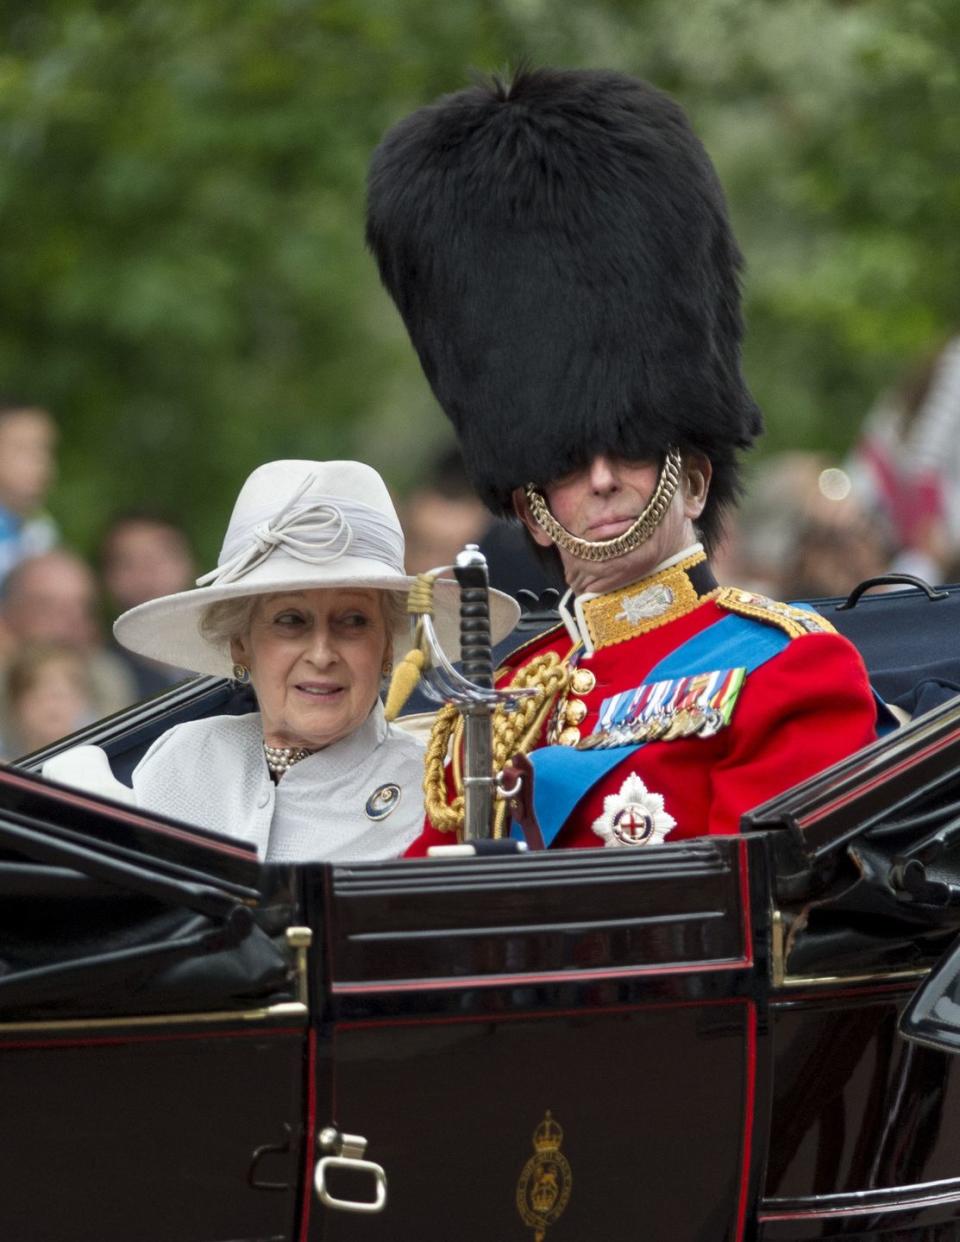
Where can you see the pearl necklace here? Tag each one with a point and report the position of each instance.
(279, 758)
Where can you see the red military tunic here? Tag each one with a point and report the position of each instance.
(801, 710)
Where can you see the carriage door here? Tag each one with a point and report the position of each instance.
(547, 1046)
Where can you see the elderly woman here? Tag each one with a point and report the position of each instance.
(307, 603)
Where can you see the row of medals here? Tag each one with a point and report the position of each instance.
(693, 721)
(663, 727)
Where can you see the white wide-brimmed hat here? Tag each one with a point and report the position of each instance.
(298, 525)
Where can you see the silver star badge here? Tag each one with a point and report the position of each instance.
(634, 816)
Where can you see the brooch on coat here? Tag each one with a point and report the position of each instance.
(382, 802)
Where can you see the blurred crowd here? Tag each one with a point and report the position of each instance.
(808, 527)
(59, 666)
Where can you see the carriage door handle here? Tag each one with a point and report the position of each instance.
(345, 1151)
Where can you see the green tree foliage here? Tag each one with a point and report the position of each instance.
(182, 270)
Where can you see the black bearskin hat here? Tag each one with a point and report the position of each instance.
(560, 252)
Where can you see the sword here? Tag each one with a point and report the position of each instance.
(476, 657)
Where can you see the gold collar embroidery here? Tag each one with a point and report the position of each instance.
(643, 606)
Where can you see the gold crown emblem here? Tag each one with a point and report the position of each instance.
(548, 1135)
(546, 1181)
(545, 1192)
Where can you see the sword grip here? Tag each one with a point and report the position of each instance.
(476, 655)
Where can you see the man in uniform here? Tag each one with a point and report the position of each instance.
(559, 249)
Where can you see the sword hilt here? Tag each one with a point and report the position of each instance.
(476, 654)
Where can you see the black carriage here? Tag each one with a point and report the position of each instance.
(704, 1040)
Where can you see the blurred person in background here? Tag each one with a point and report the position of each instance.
(49, 694)
(444, 513)
(906, 465)
(801, 532)
(441, 514)
(53, 599)
(28, 440)
(144, 555)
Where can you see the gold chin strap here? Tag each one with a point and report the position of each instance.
(608, 549)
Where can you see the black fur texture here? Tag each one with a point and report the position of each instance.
(559, 249)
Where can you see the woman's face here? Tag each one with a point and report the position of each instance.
(315, 659)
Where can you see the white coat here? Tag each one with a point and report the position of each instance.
(329, 806)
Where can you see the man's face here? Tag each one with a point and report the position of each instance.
(144, 560)
(436, 528)
(53, 599)
(603, 499)
(27, 442)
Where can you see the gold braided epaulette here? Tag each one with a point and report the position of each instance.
(793, 621)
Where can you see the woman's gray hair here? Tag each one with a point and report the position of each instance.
(395, 611)
(229, 619)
